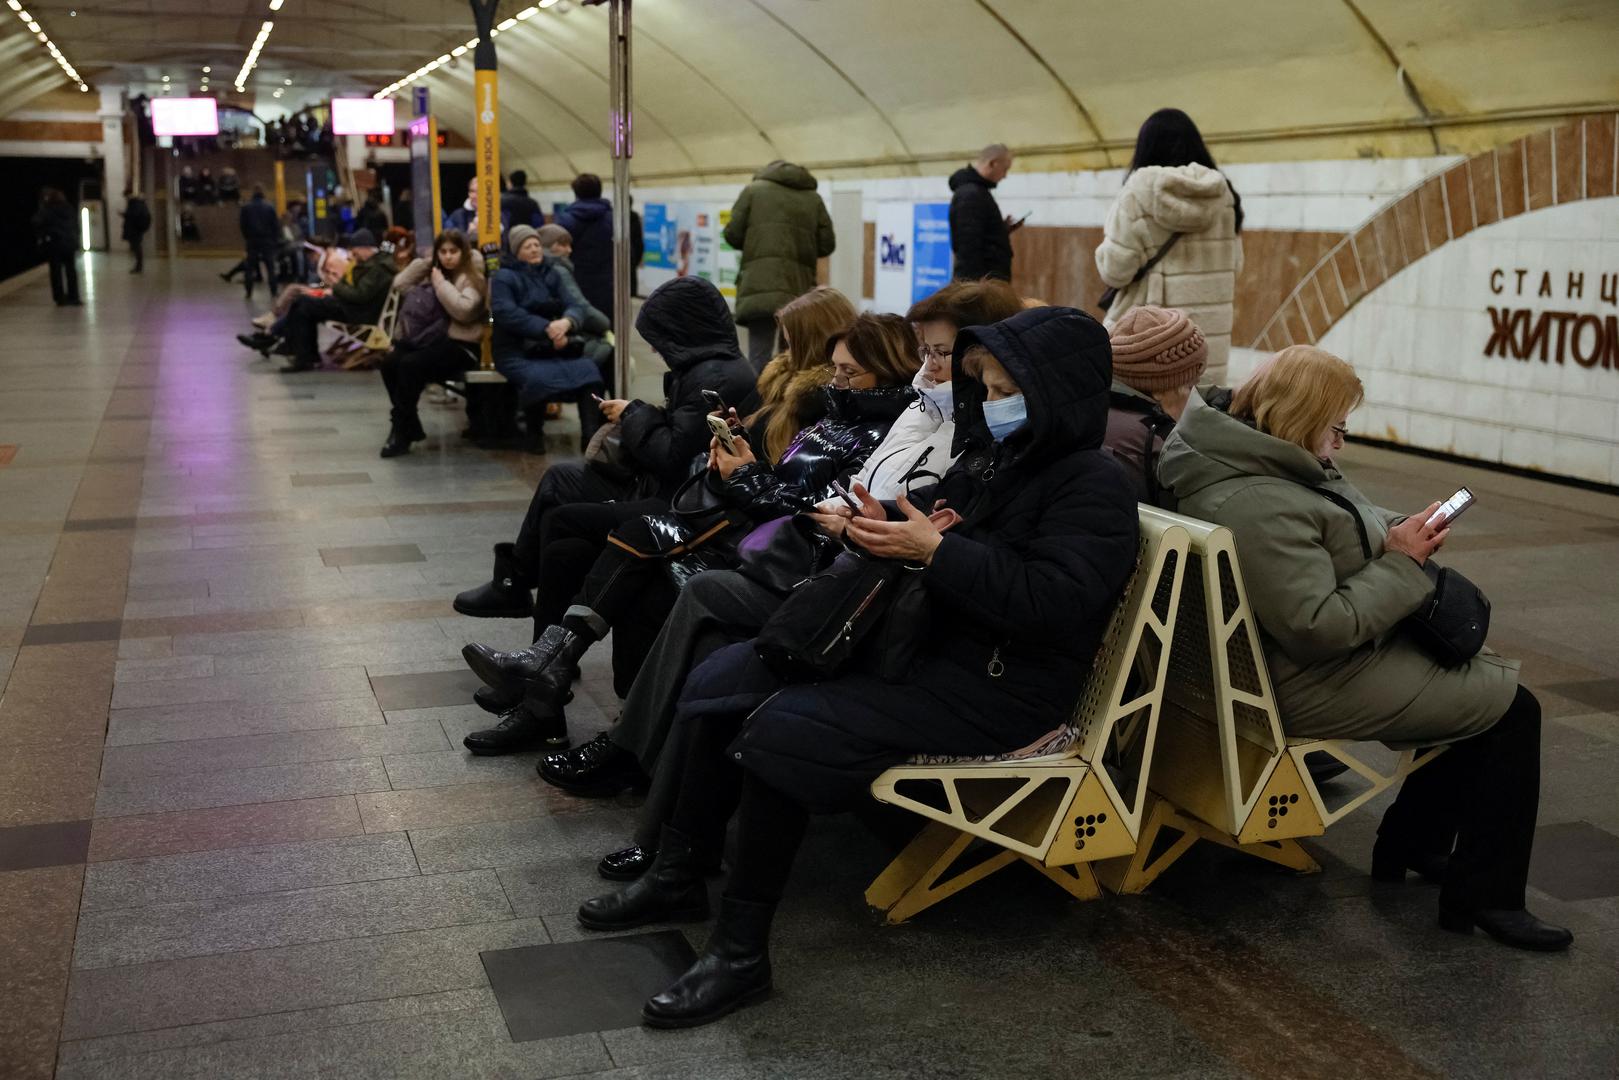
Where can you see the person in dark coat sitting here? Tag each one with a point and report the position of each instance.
(1028, 548)
(357, 297)
(589, 220)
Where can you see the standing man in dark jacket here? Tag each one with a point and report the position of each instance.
(688, 325)
(517, 207)
(58, 233)
(589, 220)
(980, 238)
(372, 216)
(357, 297)
(781, 227)
(261, 233)
(137, 219)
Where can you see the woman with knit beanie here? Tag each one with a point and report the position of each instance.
(1173, 236)
(1158, 356)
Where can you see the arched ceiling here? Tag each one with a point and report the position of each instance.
(900, 86)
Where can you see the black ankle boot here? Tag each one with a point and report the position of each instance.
(733, 971)
(551, 659)
(491, 701)
(626, 864)
(1517, 928)
(597, 770)
(505, 596)
(1390, 861)
(519, 730)
(397, 443)
(671, 890)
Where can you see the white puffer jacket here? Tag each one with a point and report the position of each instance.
(919, 442)
(1199, 274)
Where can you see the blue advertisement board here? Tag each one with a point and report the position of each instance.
(658, 231)
(930, 250)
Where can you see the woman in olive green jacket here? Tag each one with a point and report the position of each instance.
(1329, 617)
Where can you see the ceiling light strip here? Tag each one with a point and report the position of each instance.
(257, 47)
(461, 50)
(38, 31)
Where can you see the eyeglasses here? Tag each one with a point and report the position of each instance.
(932, 352)
(1342, 433)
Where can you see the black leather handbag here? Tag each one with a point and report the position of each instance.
(1454, 623)
(828, 619)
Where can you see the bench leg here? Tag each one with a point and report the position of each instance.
(1288, 853)
(1132, 874)
(1078, 880)
(911, 882)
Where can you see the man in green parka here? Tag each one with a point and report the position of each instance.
(781, 227)
(356, 298)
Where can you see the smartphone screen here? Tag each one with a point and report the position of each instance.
(843, 493)
(1452, 508)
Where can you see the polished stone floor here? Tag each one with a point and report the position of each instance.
(239, 837)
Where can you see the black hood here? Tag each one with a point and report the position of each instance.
(590, 209)
(1062, 360)
(969, 175)
(687, 321)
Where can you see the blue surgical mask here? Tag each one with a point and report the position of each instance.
(1005, 416)
(943, 397)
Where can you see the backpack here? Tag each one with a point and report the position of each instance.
(422, 320)
(1156, 427)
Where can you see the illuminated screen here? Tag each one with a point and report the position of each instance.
(362, 116)
(185, 116)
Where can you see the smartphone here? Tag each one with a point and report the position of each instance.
(722, 432)
(1452, 508)
(597, 398)
(843, 493)
(716, 404)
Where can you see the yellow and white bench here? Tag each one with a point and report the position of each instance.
(1222, 769)
(1076, 795)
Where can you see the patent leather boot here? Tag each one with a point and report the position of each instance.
(599, 769)
(733, 971)
(1517, 928)
(671, 890)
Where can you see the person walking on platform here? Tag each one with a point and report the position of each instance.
(261, 234)
(980, 238)
(58, 233)
(1173, 237)
(589, 220)
(137, 219)
(781, 227)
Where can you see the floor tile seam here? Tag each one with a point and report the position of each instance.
(98, 816)
(205, 739)
(247, 893)
(250, 847)
(328, 942)
(138, 1054)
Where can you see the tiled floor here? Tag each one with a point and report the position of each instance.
(239, 836)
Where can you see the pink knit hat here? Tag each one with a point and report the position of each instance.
(1157, 348)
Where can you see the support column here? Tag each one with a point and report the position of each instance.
(486, 143)
(623, 144)
(114, 160)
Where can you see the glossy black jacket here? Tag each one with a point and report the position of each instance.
(833, 448)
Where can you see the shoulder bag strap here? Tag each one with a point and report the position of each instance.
(1346, 504)
(1147, 266)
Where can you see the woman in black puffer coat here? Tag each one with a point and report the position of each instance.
(633, 583)
(1022, 583)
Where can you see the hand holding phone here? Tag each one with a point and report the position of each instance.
(1452, 508)
(722, 432)
(716, 403)
(843, 493)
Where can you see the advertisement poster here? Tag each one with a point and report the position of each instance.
(895, 239)
(687, 238)
(930, 250)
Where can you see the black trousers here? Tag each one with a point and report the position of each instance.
(303, 321)
(769, 825)
(563, 484)
(260, 255)
(406, 371)
(64, 277)
(1478, 802)
(137, 248)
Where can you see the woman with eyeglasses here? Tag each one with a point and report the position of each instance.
(634, 583)
(1331, 578)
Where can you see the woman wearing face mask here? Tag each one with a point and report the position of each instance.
(917, 450)
(1331, 577)
(790, 397)
(1024, 564)
(633, 585)
(440, 325)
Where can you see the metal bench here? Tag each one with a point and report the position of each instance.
(1223, 771)
(1073, 797)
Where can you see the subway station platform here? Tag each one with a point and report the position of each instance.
(239, 836)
